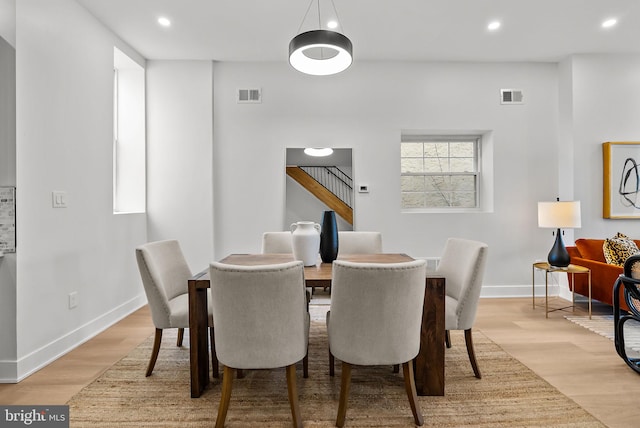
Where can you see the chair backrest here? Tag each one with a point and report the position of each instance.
(462, 264)
(277, 242)
(260, 314)
(359, 242)
(165, 273)
(376, 311)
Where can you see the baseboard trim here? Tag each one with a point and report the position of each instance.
(505, 291)
(15, 371)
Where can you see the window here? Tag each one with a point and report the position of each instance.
(129, 183)
(440, 172)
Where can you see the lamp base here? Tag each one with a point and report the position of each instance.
(559, 256)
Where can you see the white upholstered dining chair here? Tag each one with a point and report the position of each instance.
(375, 319)
(262, 322)
(462, 265)
(277, 242)
(165, 272)
(355, 242)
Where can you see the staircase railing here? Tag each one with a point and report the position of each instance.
(334, 180)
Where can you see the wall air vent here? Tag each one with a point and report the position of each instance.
(511, 96)
(249, 96)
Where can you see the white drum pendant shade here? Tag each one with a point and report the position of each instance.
(320, 39)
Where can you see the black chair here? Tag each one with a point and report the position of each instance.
(632, 297)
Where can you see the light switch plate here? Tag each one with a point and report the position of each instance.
(59, 199)
(73, 299)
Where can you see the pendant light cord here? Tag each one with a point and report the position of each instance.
(305, 16)
(333, 5)
(337, 17)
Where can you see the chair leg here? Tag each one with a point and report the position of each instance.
(305, 366)
(180, 337)
(396, 368)
(633, 363)
(293, 396)
(410, 386)
(154, 353)
(240, 374)
(225, 396)
(472, 356)
(331, 364)
(214, 357)
(447, 338)
(345, 384)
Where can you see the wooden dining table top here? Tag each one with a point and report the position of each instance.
(318, 275)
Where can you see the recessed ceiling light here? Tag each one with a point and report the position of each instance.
(332, 24)
(494, 25)
(164, 21)
(318, 152)
(609, 23)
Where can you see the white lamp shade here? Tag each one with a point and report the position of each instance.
(559, 215)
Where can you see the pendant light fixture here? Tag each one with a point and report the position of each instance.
(321, 52)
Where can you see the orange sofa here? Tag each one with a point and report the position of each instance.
(588, 253)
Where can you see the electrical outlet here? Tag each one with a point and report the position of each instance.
(73, 299)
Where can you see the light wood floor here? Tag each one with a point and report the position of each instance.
(581, 364)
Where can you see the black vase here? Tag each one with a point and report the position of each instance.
(329, 237)
(559, 256)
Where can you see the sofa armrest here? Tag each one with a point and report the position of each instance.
(603, 277)
(599, 266)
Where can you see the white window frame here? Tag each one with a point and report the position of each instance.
(477, 173)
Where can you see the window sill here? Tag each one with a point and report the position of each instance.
(128, 212)
(442, 211)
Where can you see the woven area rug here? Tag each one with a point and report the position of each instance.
(508, 395)
(603, 325)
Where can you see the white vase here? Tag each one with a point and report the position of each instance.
(305, 239)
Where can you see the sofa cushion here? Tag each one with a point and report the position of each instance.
(618, 249)
(591, 249)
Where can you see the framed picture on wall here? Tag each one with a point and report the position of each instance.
(621, 181)
(7, 219)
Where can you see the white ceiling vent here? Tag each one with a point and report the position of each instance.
(249, 96)
(511, 96)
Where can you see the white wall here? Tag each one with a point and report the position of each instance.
(366, 108)
(179, 156)
(64, 63)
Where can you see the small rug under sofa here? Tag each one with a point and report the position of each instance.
(603, 325)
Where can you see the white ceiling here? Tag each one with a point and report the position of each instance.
(412, 30)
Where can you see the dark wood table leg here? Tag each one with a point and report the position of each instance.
(198, 338)
(429, 373)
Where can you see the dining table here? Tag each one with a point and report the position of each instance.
(429, 363)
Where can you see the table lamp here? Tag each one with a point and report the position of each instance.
(559, 215)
